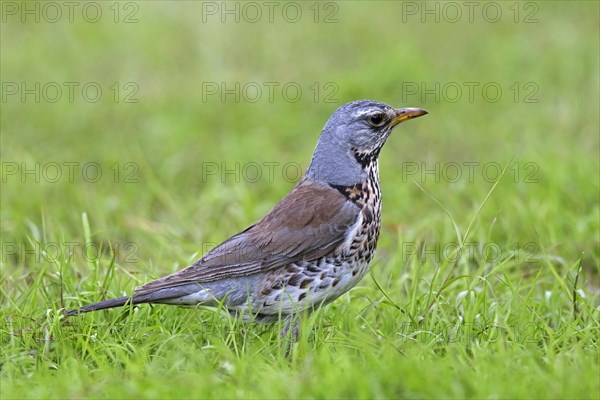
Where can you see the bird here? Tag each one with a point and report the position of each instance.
(312, 247)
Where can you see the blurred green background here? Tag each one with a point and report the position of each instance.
(177, 52)
(159, 130)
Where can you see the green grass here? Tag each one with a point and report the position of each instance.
(514, 315)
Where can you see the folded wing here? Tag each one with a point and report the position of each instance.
(310, 222)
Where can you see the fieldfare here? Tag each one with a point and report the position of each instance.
(315, 244)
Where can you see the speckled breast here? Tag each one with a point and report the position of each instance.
(367, 196)
(304, 284)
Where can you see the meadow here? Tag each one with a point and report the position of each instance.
(135, 136)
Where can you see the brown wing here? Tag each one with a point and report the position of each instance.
(307, 224)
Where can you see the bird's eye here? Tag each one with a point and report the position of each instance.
(376, 119)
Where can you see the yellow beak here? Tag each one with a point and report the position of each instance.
(403, 114)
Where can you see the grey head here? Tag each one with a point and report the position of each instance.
(352, 138)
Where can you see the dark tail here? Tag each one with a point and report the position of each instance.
(161, 295)
(118, 302)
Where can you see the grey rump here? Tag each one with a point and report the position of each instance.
(315, 244)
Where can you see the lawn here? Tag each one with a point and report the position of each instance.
(135, 136)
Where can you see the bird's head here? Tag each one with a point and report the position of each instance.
(365, 125)
(353, 137)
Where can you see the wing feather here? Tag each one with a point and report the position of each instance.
(310, 222)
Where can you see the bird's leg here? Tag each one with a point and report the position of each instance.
(291, 322)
